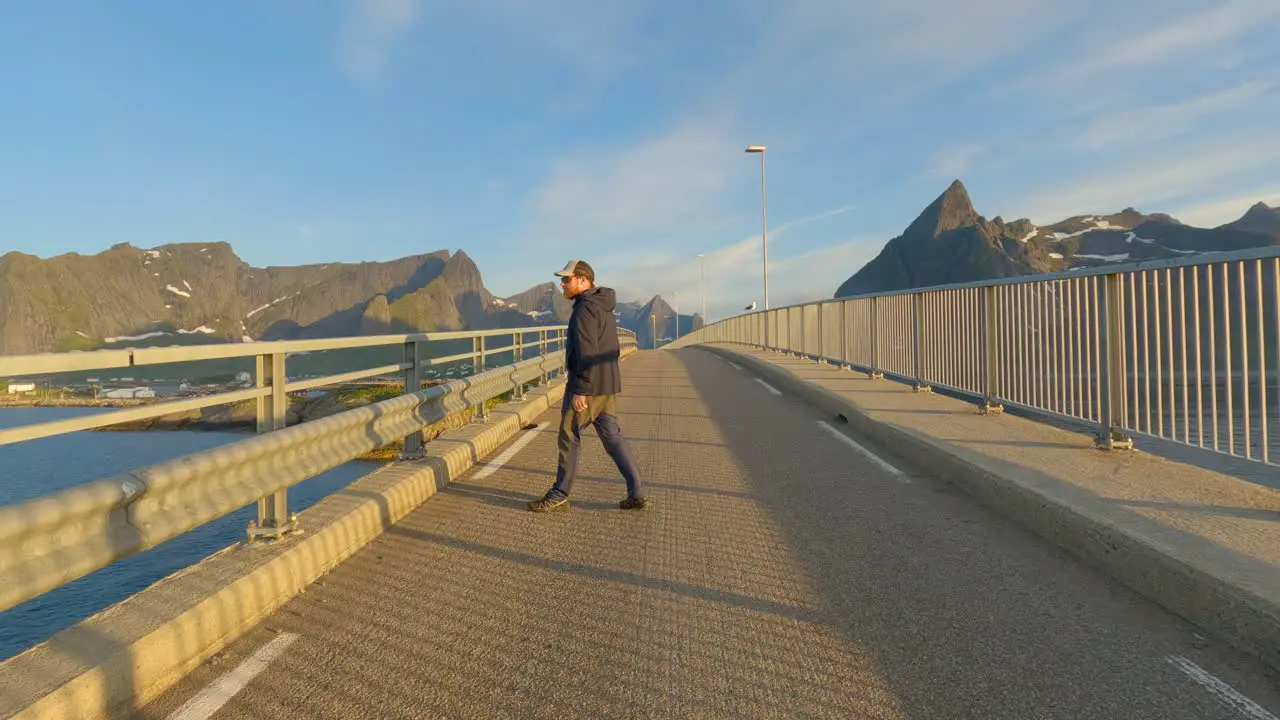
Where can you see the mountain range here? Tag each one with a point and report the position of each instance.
(194, 293)
(654, 322)
(951, 243)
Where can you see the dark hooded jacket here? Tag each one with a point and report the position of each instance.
(591, 349)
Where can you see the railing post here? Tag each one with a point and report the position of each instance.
(875, 373)
(517, 354)
(987, 351)
(1114, 417)
(413, 442)
(844, 332)
(917, 322)
(822, 346)
(477, 346)
(542, 351)
(800, 351)
(274, 519)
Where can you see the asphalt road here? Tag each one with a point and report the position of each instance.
(786, 569)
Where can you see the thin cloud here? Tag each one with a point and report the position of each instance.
(1122, 45)
(1221, 211)
(955, 161)
(372, 29)
(1161, 122)
(733, 272)
(673, 182)
(1162, 178)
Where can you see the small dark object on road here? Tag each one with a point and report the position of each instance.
(530, 426)
(842, 418)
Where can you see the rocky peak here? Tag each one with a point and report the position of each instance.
(1260, 218)
(462, 273)
(377, 317)
(951, 210)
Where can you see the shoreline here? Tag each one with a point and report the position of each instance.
(71, 402)
(241, 417)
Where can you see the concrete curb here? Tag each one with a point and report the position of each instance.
(117, 660)
(1233, 614)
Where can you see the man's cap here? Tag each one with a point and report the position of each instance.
(578, 267)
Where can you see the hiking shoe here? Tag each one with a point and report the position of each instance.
(634, 503)
(549, 504)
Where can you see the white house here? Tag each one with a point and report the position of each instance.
(133, 393)
(21, 387)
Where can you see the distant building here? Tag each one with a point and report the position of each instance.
(133, 393)
(16, 388)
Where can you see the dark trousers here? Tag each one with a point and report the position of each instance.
(602, 412)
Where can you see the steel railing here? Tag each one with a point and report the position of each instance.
(1186, 350)
(54, 539)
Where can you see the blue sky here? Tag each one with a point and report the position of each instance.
(526, 133)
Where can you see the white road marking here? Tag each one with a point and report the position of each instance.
(212, 698)
(497, 463)
(870, 455)
(1223, 691)
(734, 365)
(769, 387)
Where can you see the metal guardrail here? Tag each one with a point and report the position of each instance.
(266, 355)
(1186, 350)
(51, 540)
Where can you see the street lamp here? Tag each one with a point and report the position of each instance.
(653, 329)
(703, 257)
(764, 223)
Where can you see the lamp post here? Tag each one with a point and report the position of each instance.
(653, 329)
(764, 223)
(703, 257)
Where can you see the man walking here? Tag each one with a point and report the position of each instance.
(591, 395)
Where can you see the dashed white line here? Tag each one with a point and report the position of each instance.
(769, 387)
(1227, 694)
(497, 463)
(895, 472)
(734, 365)
(208, 702)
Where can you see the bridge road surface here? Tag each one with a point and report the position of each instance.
(780, 573)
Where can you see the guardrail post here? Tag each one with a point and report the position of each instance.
(987, 351)
(917, 320)
(542, 351)
(517, 355)
(844, 332)
(822, 347)
(478, 365)
(274, 519)
(1110, 435)
(799, 351)
(875, 373)
(413, 442)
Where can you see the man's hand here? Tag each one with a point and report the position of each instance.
(579, 403)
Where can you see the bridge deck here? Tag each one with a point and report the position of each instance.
(779, 573)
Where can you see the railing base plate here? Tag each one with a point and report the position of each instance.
(990, 408)
(273, 532)
(875, 375)
(1118, 441)
(922, 388)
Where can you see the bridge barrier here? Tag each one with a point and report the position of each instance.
(114, 662)
(1186, 350)
(49, 541)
